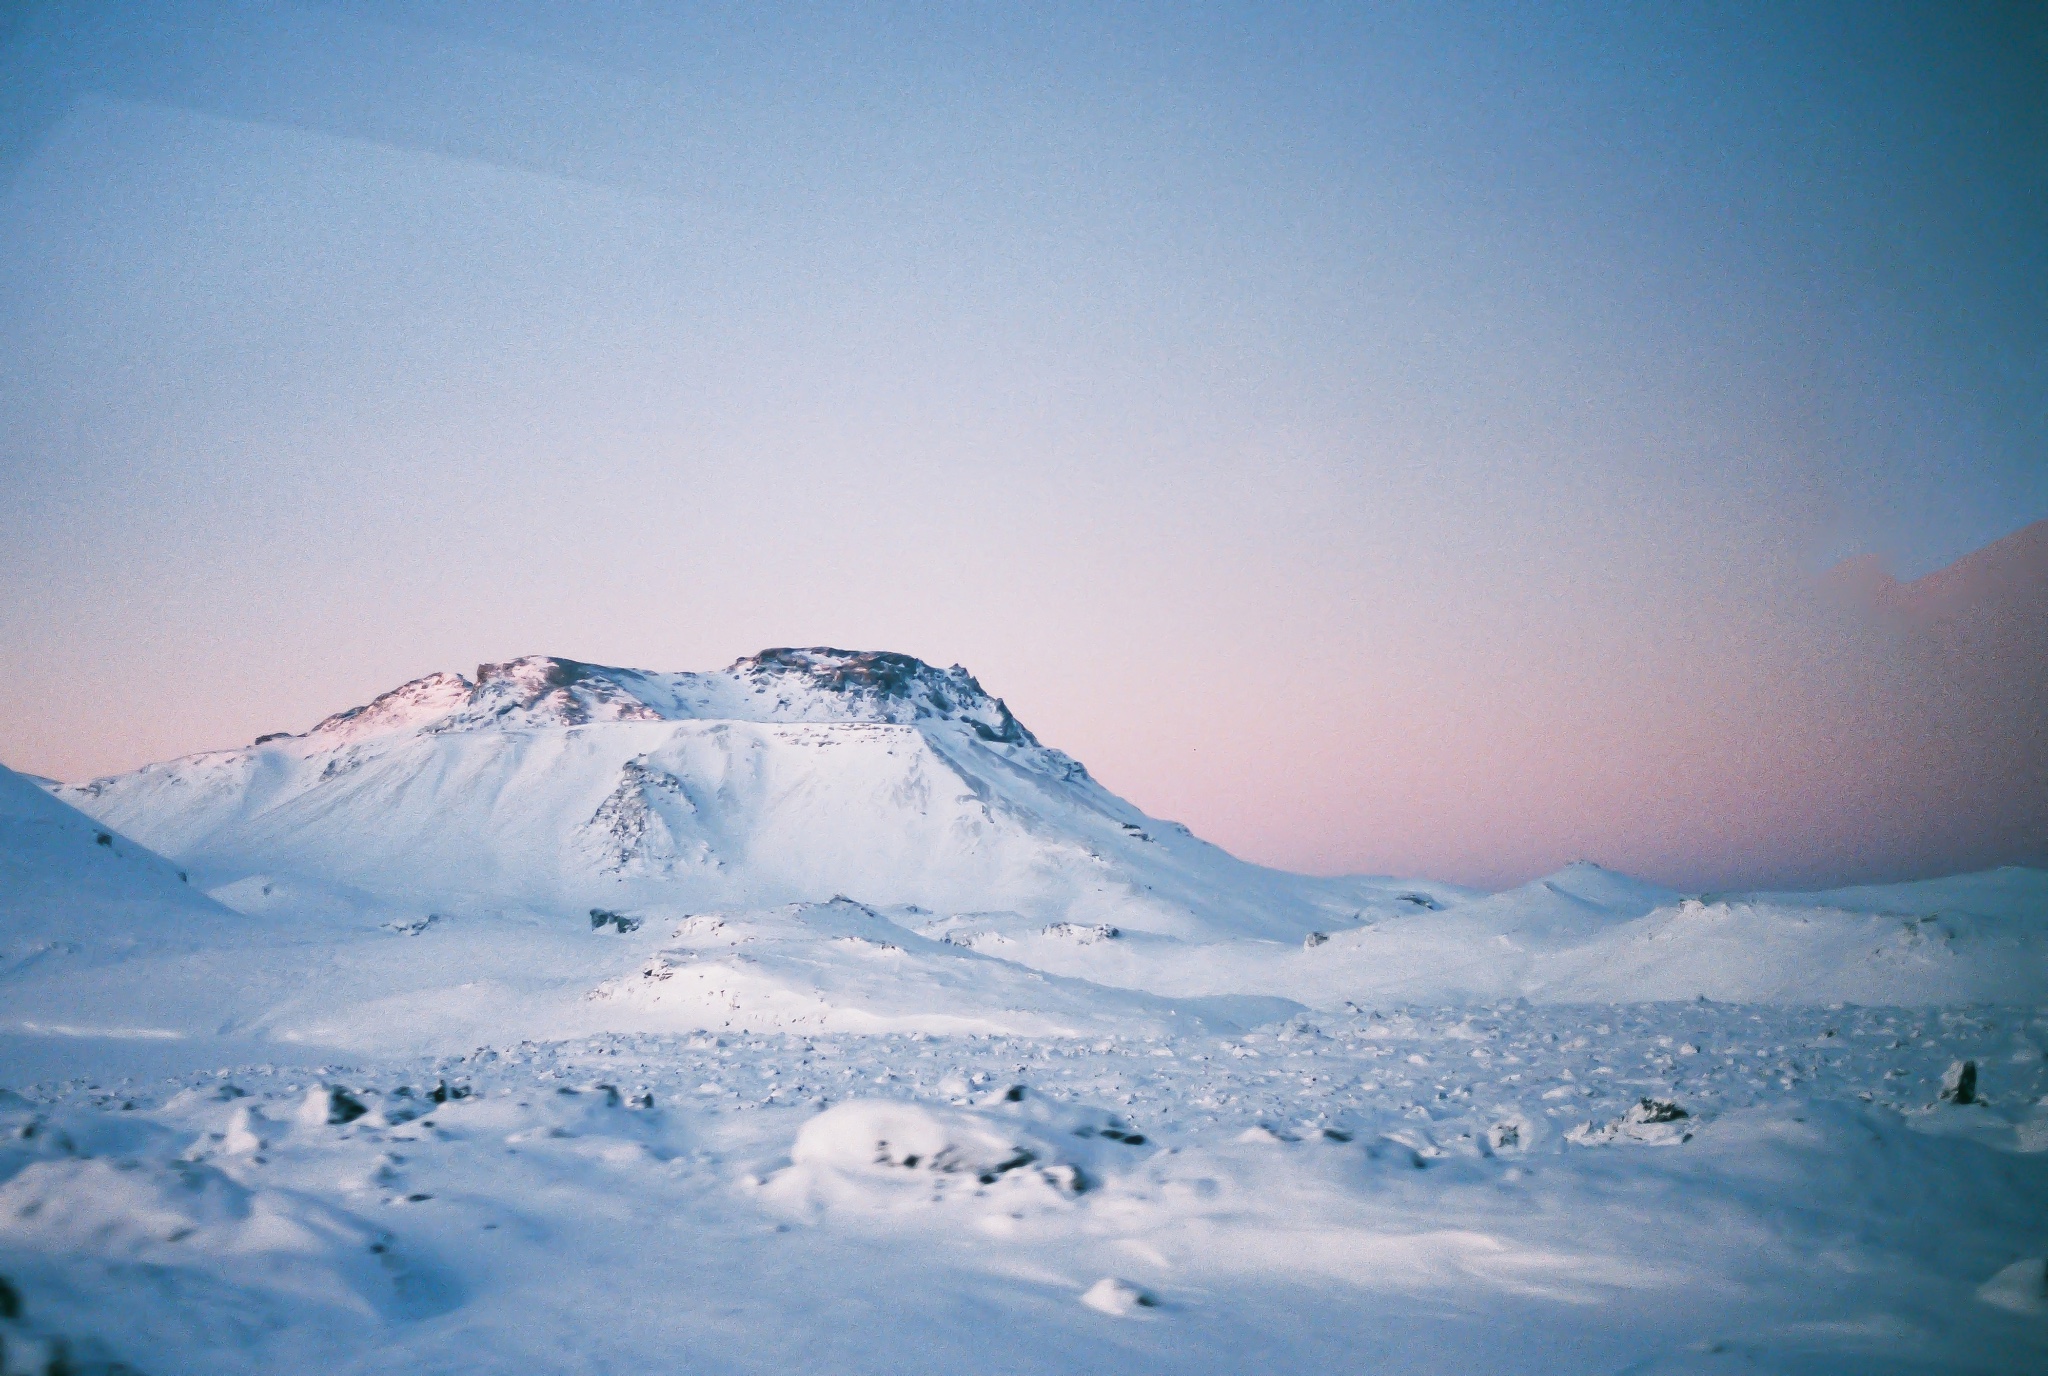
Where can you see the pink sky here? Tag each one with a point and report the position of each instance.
(1853, 728)
(1409, 442)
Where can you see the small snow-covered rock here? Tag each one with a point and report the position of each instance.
(327, 1105)
(243, 1136)
(1117, 1298)
(866, 1135)
(884, 1153)
(1649, 1122)
(1082, 933)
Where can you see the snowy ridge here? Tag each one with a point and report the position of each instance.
(782, 685)
(418, 703)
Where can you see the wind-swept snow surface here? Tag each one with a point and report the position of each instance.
(1661, 1188)
(812, 1015)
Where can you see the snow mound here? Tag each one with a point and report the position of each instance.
(1117, 1298)
(183, 1215)
(876, 1155)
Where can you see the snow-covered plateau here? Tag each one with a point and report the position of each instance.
(812, 1015)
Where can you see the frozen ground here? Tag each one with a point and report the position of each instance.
(811, 1015)
(1413, 1190)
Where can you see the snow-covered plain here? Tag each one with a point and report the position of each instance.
(811, 1014)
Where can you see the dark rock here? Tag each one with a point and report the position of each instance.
(342, 1106)
(883, 677)
(1959, 1083)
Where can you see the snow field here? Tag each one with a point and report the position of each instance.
(1404, 1185)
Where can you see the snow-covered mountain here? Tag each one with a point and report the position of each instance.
(823, 839)
(793, 776)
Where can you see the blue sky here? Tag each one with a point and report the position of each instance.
(1175, 368)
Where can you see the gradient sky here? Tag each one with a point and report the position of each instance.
(1399, 439)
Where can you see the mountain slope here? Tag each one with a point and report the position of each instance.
(66, 877)
(90, 921)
